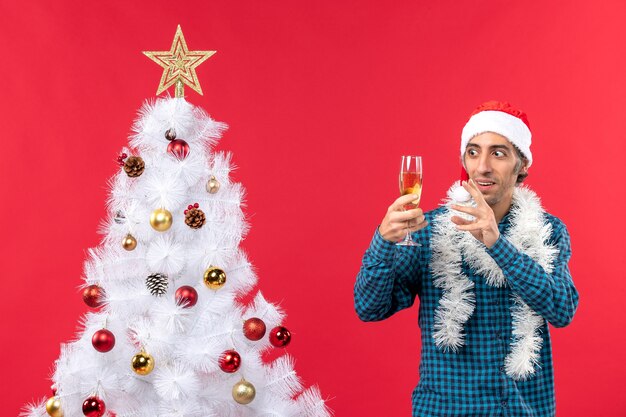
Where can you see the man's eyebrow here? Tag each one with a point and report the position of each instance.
(473, 145)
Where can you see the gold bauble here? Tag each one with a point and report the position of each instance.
(53, 407)
(244, 392)
(129, 242)
(142, 363)
(161, 220)
(213, 185)
(214, 278)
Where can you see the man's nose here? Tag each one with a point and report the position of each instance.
(484, 164)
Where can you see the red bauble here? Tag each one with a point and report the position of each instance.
(230, 361)
(254, 328)
(93, 296)
(94, 407)
(179, 148)
(186, 296)
(280, 336)
(103, 340)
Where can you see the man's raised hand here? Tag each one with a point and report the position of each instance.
(398, 221)
(484, 226)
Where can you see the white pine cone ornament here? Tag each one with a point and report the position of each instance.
(157, 284)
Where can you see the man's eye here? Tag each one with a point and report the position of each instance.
(499, 154)
(472, 152)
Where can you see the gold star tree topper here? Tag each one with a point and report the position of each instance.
(179, 65)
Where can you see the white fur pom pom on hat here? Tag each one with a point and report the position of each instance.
(459, 195)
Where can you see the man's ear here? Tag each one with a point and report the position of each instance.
(524, 169)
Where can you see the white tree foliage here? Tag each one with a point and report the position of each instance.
(186, 343)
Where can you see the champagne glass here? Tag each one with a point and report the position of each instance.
(411, 183)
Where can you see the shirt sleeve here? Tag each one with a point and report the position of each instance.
(388, 280)
(553, 296)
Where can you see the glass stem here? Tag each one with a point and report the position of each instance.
(408, 238)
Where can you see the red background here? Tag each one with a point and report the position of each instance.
(322, 99)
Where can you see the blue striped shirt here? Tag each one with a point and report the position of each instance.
(472, 382)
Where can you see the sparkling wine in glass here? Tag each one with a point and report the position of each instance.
(411, 183)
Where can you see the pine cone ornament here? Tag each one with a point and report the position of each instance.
(157, 284)
(194, 217)
(120, 217)
(134, 166)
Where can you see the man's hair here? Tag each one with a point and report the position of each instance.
(521, 160)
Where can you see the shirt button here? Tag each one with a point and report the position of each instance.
(498, 335)
(503, 403)
(502, 369)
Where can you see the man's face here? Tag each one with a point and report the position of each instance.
(490, 160)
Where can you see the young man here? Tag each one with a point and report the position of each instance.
(491, 274)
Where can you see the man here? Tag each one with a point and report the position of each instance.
(491, 273)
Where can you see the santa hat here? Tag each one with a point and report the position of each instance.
(501, 118)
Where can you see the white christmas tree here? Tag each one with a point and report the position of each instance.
(168, 335)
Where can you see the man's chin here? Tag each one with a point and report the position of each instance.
(491, 194)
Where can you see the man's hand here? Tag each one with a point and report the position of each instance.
(397, 222)
(484, 226)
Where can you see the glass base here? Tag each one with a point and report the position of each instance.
(407, 243)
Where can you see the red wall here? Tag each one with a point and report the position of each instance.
(322, 98)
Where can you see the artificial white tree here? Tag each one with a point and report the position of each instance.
(168, 335)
